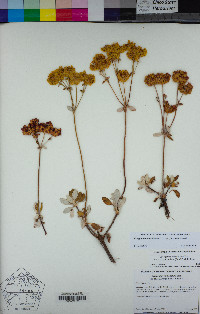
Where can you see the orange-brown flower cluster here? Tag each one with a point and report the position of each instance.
(70, 75)
(159, 78)
(168, 108)
(34, 128)
(123, 75)
(99, 62)
(185, 88)
(181, 78)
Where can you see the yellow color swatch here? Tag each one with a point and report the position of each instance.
(47, 15)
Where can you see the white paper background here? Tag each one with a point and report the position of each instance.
(68, 259)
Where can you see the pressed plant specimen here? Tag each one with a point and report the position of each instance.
(111, 59)
(69, 79)
(42, 134)
(168, 115)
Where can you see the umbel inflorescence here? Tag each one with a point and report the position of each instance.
(112, 59)
(168, 114)
(42, 134)
(68, 78)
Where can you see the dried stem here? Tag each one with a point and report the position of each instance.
(158, 98)
(118, 82)
(107, 80)
(163, 164)
(111, 225)
(133, 72)
(42, 223)
(99, 237)
(164, 137)
(124, 157)
(81, 155)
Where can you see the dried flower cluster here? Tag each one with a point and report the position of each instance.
(169, 182)
(157, 79)
(123, 75)
(70, 75)
(69, 79)
(101, 62)
(35, 129)
(179, 77)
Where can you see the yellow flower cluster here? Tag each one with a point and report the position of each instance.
(135, 52)
(181, 78)
(123, 75)
(69, 74)
(99, 62)
(159, 78)
(34, 128)
(113, 52)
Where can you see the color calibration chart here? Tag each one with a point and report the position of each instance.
(66, 10)
(99, 10)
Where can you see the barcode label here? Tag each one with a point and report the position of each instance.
(72, 298)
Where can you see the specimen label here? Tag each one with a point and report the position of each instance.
(156, 6)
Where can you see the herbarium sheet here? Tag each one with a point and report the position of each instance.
(100, 168)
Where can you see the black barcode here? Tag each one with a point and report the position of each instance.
(72, 298)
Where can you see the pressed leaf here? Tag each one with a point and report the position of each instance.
(132, 108)
(95, 226)
(82, 223)
(106, 201)
(72, 213)
(74, 194)
(88, 209)
(67, 210)
(177, 193)
(71, 192)
(152, 180)
(148, 189)
(41, 207)
(121, 203)
(176, 177)
(157, 134)
(64, 201)
(70, 108)
(155, 200)
(80, 197)
(108, 236)
(170, 137)
(80, 214)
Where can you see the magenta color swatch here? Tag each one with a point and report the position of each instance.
(3, 4)
(80, 15)
(79, 4)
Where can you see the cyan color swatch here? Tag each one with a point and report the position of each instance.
(16, 15)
